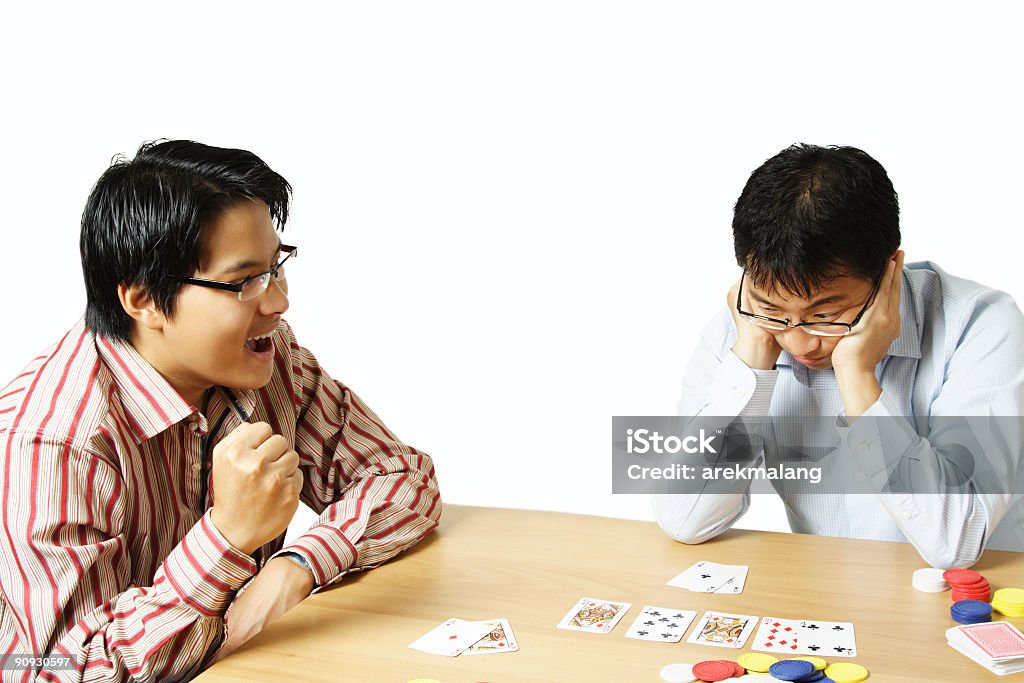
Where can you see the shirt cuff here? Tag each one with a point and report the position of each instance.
(205, 570)
(739, 389)
(327, 552)
(878, 439)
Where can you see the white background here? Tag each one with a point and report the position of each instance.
(514, 217)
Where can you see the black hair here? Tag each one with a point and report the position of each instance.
(811, 214)
(144, 221)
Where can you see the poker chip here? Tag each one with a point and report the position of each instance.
(846, 672)
(929, 580)
(1009, 602)
(982, 595)
(961, 577)
(713, 670)
(971, 612)
(678, 673)
(756, 662)
(818, 662)
(791, 669)
(423, 680)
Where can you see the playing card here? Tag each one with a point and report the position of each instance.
(451, 638)
(998, 639)
(499, 639)
(723, 630)
(736, 583)
(827, 639)
(594, 616)
(662, 624)
(777, 635)
(706, 577)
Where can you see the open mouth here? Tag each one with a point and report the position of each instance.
(259, 344)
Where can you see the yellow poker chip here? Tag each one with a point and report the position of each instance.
(1011, 597)
(756, 662)
(423, 680)
(818, 662)
(845, 672)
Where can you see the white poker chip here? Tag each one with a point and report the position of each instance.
(678, 673)
(929, 580)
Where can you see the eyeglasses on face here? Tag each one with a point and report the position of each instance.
(251, 287)
(817, 328)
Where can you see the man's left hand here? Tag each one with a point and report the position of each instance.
(866, 346)
(279, 586)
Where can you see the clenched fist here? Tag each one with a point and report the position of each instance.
(256, 485)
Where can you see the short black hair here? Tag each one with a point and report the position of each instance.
(811, 214)
(145, 219)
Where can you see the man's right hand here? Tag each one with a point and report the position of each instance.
(754, 345)
(256, 485)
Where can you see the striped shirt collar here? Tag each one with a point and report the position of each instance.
(908, 344)
(150, 403)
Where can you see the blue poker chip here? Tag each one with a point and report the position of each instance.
(791, 670)
(971, 609)
(972, 621)
(817, 676)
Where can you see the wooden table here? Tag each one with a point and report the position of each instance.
(531, 567)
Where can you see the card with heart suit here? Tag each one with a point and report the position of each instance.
(777, 635)
(827, 638)
(723, 630)
(661, 624)
(594, 615)
(451, 638)
(499, 639)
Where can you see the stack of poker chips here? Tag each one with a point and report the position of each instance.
(754, 666)
(971, 612)
(968, 585)
(930, 580)
(1009, 602)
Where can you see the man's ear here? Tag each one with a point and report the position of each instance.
(139, 304)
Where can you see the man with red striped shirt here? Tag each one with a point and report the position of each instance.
(151, 460)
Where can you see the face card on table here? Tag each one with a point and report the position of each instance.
(827, 638)
(499, 639)
(723, 630)
(594, 615)
(451, 638)
(661, 624)
(777, 635)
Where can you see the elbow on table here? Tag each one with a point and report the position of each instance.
(947, 558)
(685, 534)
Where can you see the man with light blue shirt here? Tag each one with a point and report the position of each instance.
(827, 322)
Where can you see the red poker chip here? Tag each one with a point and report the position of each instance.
(977, 585)
(983, 597)
(962, 576)
(972, 588)
(739, 670)
(714, 670)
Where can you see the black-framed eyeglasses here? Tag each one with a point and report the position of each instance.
(251, 287)
(817, 328)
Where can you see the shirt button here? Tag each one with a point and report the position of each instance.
(907, 514)
(197, 467)
(864, 448)
(193, 425)
(739, 391)
(859, 476)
